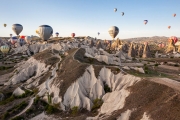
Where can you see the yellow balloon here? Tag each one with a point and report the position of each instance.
(5, 49)
(5, 25)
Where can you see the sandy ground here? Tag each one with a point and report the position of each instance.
(166, 81)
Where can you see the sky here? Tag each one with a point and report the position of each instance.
(88, 17)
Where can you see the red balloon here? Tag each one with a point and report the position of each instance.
(174, 38)
(160, 45)
(73, 34)
(22, 37)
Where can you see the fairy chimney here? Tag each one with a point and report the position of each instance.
(146, 51)
(131, 52)
(171, 47)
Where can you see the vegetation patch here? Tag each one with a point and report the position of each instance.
(97, 104)
(74, 110)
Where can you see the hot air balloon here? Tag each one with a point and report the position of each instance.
(5, 25)
(98, 33)
(14, 40)
(5, 49)
(17, 28)
(160, 45)
(163, 45)
(45, 32)
(57, 34)
(174, 15)
(169, 27)
(145, 22)
(21, 40)
(73, 34)
(115, 9)
(37, 32)
(113, 31)
(28, 39)
(122, 13)
(174, 38)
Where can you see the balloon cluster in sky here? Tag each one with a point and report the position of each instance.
(46, 31)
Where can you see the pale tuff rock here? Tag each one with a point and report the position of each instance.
(108, 60)
(178, 49)
(146, 52)
(145, 117)
(125, 115)
(136, 49)
(91, 44)
(125, 48)
(18, 91)
(27, 69)
(126, 68)
(156, 54)
(171, 47)
(118, 84)
(99, 45)
(141, 70)
(177, 55)
(88, 87)
(131, 52)
(140, 51)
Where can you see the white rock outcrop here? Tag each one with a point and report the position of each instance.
(18, 91)
(32, 68)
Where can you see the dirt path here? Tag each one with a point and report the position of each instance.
(166, 81)
(29, 105)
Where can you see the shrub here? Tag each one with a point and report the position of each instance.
(49, 109)
(5, 115)
(97, 104)
(156, 65)
(35, 91)
(91, 60)
(10, 99)
(74, 110)
(133, 59)
(49, 99)
(171, 57)
(28, 111)
(36, 100)
(146, 68)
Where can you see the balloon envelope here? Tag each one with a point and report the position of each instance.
(5, 25)
(113, 31)
(17, 28)
(73, 34)
(4, 49)
(122, 13)
(14, 40)
(174, 15)
(174, 38)
(57, 34)
(28, 39)
(145, 22)
(22, 37)
(115, 9)
(169, 27)
(45, 32)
